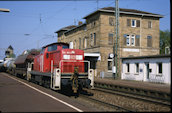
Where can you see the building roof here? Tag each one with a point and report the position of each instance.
(125, 11)
(58, 43)
(66, 28)
(151, 56)
(10, 47)
(75, 28)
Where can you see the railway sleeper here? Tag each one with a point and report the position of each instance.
(141, 92)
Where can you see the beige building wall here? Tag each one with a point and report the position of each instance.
(99, 23)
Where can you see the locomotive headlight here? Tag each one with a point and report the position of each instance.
(79, 57)
(66, 57)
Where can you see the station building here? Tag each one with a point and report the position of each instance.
(154, 68)
(139, 35)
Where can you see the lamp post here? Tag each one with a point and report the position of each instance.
(115, 45)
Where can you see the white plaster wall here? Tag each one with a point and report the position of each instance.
(153, 76)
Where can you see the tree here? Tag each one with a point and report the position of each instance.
(164, 41)
(12, 55)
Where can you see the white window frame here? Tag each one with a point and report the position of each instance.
(132, 23)
(150, 24)
(71, 45)
(85, 42)
(133, 38)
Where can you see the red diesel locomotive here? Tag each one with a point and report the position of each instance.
(57, 66)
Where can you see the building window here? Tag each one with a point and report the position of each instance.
(133, 23)
(132, 40)
(128, 67)
(110, 39)
(128, 40)
(109, 64)
(93, 39)
(167, 50)
(149, 24)
(137, 68)
(111, 21)
(159, 66)
(52, 48)
(149, 41)
(93, 23)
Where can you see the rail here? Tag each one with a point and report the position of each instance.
(135, 96)
(156, 95)
(108, 105)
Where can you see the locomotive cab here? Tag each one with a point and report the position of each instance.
(59, 65)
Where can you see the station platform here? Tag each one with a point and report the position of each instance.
(166, 88)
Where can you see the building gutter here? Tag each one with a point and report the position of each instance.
(123, 12)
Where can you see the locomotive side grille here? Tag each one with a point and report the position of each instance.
(80, 68)
(68, 67)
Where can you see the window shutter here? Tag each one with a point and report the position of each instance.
(91, 37)
(79, 43)
(124, 39)
(128, 22)
(94, 38)
(111, 21)
(149, 41)
(71, 45)
(87, 41)
(149, 24)
(138, 23)
(110, 39)
(83, 42)
(137, 43)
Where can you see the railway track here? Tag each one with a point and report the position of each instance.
(157, 95)
(144, 103)
(111, 107)
(135, 96)
(123, 102)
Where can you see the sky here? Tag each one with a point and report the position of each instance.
(32, 24)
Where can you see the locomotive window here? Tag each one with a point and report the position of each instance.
(65, 47)
(42, 51)
(52, 48)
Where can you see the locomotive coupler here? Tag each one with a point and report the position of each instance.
(74, 79)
